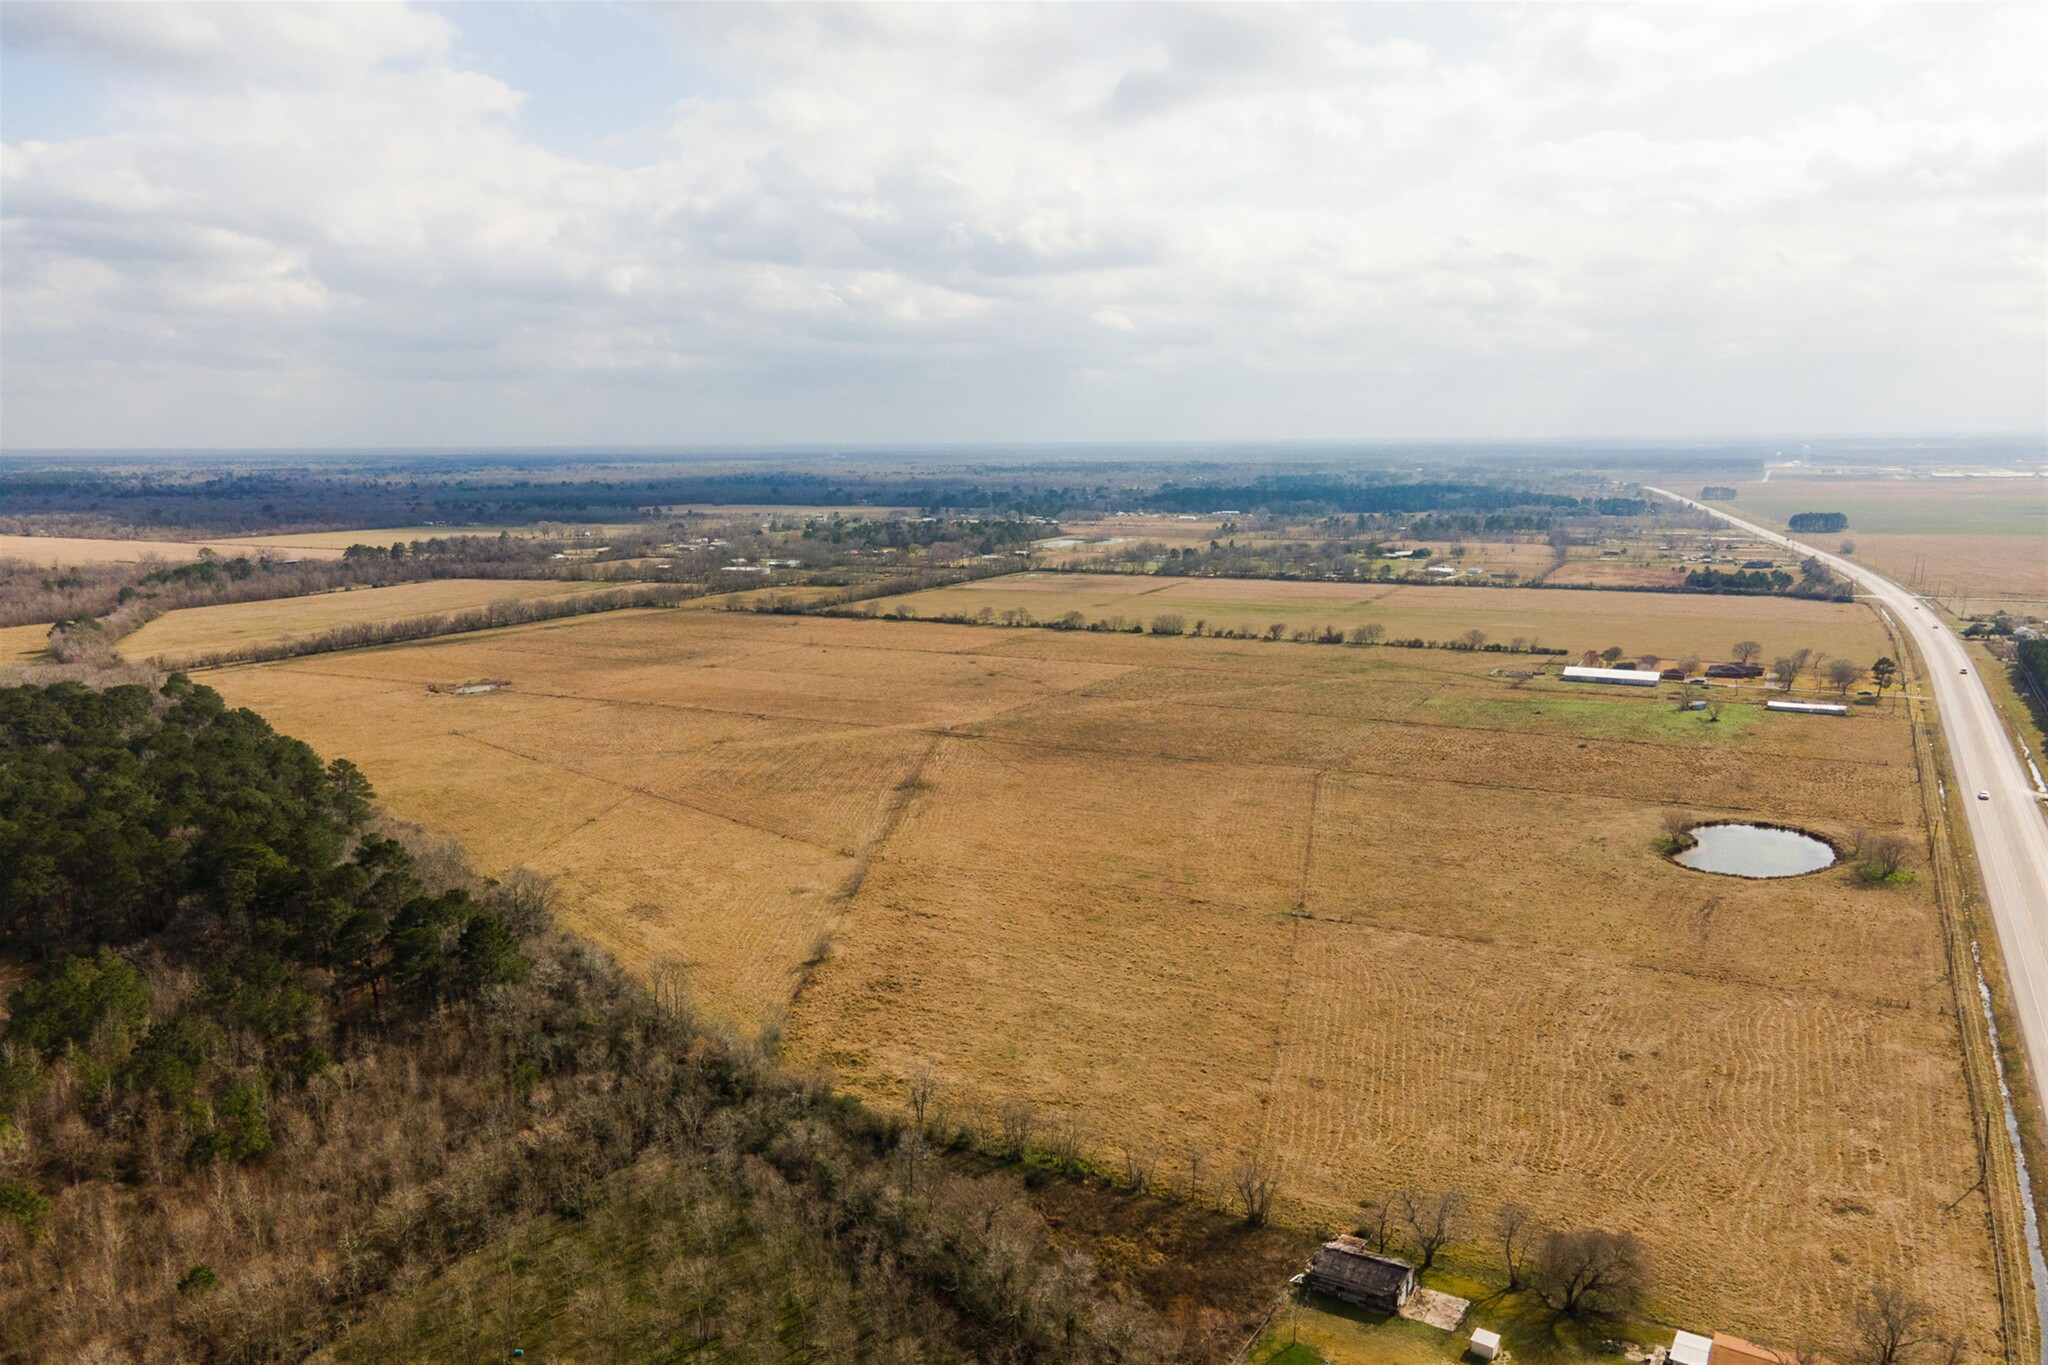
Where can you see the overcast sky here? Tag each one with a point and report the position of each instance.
(580, 224)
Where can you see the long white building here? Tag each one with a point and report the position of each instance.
(1625, 677)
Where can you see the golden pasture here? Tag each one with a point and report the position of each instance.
(1377, 912)
(67, 550)
(64, 551)
(323, 542)
(21, 644)
(1670, 625)
(195, 631)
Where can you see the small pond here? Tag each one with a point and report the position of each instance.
(1755, 851)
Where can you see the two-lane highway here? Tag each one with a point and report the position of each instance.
(2008, 826)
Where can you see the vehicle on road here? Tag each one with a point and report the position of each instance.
(1966, 672)
(1983, 796)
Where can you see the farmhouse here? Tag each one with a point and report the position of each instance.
(1808, 708)
(1345, 1269)
(1625, 677)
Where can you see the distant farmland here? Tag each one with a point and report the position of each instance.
(1667, 624)
(1378, 913)
(197, 631)
(1981, 540)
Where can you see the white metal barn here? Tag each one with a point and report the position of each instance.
(1624, 677)
(1808, 708)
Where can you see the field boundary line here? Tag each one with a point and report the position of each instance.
(842, 900)
(633, 790)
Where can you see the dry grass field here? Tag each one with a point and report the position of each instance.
(63, 551)
(320, 541)
(1376, 912)
(1669, 625)
(1982, 541)
(20, 644)
(1608, 573)
(196, 631)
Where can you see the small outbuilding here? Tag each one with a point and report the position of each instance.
(1690, 1348)
(1624, 677)
(1347, 1269)
(1485, 1344)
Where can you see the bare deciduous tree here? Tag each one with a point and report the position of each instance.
(1472, 639)
(1376, 1221)
(1886, 1324)
(1371, 633)
(1138, 1164)
(1881, 857)
(1255, 1180)
(1433, 1219)
(1516, 1230)
(1197, 1160)
(923, 1090)
(1591, 1272)
(1019, 1120)
(671, 990)
(1067, 1135)
(525, 901)
(1842, 674)
(1746, 651)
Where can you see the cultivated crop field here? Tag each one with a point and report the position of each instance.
(1378, 913)
(197, 631)
(1670, 625)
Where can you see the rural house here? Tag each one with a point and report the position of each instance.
(1345, 1269)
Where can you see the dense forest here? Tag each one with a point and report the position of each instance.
(268, 1066)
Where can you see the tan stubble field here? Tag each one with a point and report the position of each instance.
(1371, 911)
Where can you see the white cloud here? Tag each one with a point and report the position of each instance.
(327, 225)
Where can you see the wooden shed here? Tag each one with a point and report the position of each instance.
(1347, 1269)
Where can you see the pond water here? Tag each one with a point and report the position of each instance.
(1755, 851)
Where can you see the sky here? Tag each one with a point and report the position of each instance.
(581, 224)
